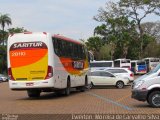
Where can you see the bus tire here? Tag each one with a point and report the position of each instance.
(86, 81)
(83, 88)
(33, 93)
(67, 91)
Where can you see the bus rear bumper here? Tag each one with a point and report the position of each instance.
(24, 85)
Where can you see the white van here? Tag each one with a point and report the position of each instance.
(147, 87)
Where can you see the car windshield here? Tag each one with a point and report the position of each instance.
(154, 70)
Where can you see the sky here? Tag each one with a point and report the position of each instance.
(71, 18)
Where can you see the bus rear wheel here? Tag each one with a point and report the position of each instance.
(67, 91)
(33, 93)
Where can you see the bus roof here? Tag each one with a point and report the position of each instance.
(45, 33)
(150, 58)
(67, 39)
(121, 59)
(137, 60)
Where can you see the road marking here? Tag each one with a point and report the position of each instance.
(123, 98)
(110, 101)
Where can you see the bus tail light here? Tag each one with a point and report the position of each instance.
(10, 74)
(49, 72)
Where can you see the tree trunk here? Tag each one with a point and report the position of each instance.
(140, 39)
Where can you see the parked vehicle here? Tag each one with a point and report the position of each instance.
(95, 65)
(122, 72)
(151, 63)
(138, 67)
(3, 78)
(124, 63)
(147, 87)
(107, 78)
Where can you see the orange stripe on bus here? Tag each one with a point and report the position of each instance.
(28, 57)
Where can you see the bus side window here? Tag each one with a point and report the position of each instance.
(59, 44)
(56, 45)
(63, 48)
(68, 49)
(58, 48)
(75, 51)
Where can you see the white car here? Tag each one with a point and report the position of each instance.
(106, 78)
(3, 78)
(122, 72)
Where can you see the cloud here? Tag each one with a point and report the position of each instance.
(72, 18)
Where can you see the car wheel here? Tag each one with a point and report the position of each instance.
(154, 99)
(120, 84)
(91, 85)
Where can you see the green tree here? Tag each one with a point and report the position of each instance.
(94, 44)
(134, 10)
(138, 10)
(105, 52)
(152, 50)
(118, 32)
(16, 30)
(3, 59)
(152, 29)
(4, 19)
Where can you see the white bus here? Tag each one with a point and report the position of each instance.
(124, 63)
(138, 66)
(151, 63)
(100, 64)
(40, 62)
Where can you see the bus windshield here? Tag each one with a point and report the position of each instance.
(141, 63)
